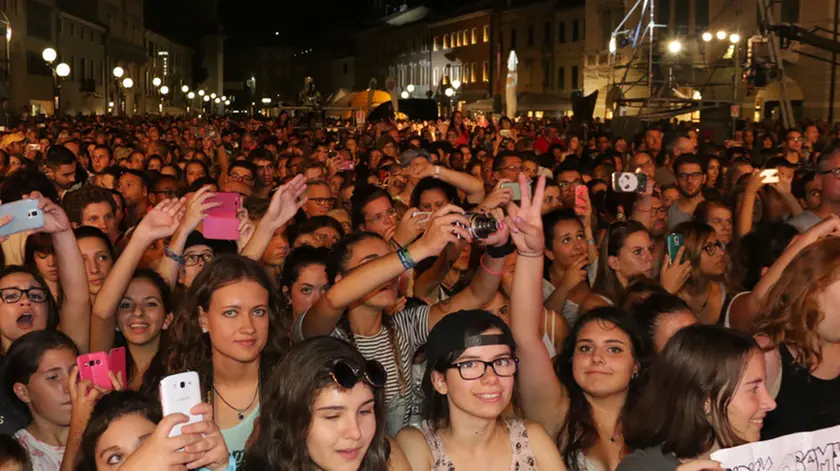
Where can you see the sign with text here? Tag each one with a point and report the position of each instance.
(806, 451)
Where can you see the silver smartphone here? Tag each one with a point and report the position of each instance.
(26, 216)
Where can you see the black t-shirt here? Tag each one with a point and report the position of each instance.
(11, 418)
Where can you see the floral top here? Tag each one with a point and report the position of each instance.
(522, 456)
(44, 457)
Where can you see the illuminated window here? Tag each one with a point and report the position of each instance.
(485, 71)
(474, 38)
(435, 44)
(487, 33)
(446, 41)
(473, 75)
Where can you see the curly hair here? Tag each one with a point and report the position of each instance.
(75, 202)
(287, 399)
(190, 349)
(791, 313)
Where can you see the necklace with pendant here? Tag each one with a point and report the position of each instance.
(240, 413)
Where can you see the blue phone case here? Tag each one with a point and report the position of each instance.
(26, 216)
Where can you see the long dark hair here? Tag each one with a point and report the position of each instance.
(607, 282)
(684, 406)
(337, 264)
(24, 357)
(157, 367)
(578, 432)
(109, 408)
(286, 413)
(190, 349)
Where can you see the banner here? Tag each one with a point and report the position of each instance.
(806, 451)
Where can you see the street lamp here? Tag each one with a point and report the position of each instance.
(404, 94)
(217, 100)
(213, 95)
(127, 83)
(456, 84)
(266, 100)
(201, 92)
(612, 45)
(227, 102)
(156, 81)
(721, 35)
(49, 55)
(59, 72)
(449, 92)
(191, 95)
(674, 46)
(118, 72)
(185, 88)
(164, 90)
(707, 36)
(410, 88)
(734, 38)
(206, 98)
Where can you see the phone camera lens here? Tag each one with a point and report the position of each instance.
(182, 384)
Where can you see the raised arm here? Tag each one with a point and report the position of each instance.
(745, 210)
(742, 317)
(324, 315)
(160, 222)
(284, 204)
(195, 213)
(465, 182)
(75, 308)
(484, 283)
(543, 397)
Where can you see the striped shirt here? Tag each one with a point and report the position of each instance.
(411, 330)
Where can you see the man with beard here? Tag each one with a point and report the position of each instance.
(690, 171)
(658, 229)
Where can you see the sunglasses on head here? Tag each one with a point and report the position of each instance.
(346, 376)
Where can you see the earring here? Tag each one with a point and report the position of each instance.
(204, 330)
(634, 375)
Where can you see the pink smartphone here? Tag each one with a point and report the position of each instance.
(116, 363)
(94, 367)
(581, 192)
(221, 222)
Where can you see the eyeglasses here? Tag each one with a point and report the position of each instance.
(711, 249)
(346, 376)
(323, 201)
(474, 369)
(659, 210)
(565, 184)
(835, 171)
(512, 168)
(240, 178)
(379, 218)
(13, 295)
(192, 259)
(690, 176)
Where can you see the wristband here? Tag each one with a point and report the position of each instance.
(590, 241)
(437, 172)
(500, 252)
(405, 259)
(484, 267)
(180, 259)
(530, 255)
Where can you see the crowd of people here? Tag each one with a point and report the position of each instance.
(451, 295)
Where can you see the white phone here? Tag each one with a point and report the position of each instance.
(179, 393)
(771, 175)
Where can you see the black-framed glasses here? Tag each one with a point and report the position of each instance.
(241, 178)
(192, 259)
(690, 176)
(13, 295)
(346, 376)
(474, 369)
(712, 248)
(564, 184)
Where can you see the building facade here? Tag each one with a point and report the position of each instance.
(461, 52)
(93, 37)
